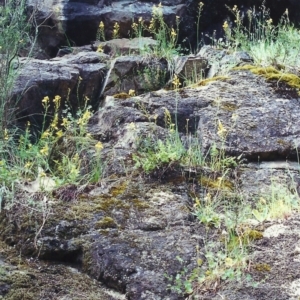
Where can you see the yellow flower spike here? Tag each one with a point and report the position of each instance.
(199, 262)
(225, 25)
(45, 150)
(140, 19)
(99, 146)
(45, 134)
(173, 33)
(56, 101)
(28, 165)
(42, 174)
(100, 49)
(101, 25)
(197, 203)
(59, 133)
(234, 117)
(221, 130)
(65, 122)
(131, 93)
(116, 30)
(207, 198)
(159, 5)
(176, 82)
(269, 22)
(131, 126)
(6, 136)
(45, 100)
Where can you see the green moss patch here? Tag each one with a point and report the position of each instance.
(208, 80)
(272, 74)
(216, 183)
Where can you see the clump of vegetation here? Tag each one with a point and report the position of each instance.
(14, 38)
(268, 43)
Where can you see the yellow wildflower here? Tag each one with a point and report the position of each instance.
(45, 100)
(225, 25)
(207, 198)
(28, 165)
(54, 122)
(269, 22)
(42, 174)
(56, 102)
(59, 133)
(176, 82)
(99, 146)
(173, 33)
(6, 136)
(116, 31)
(45, 150)
(85, 118)
(152, 25)
(221, 130)
(234, 117)
(65, 122)
(99, 49)
(140, 19)
(131, 93)
(134, 26)
(101, 25)
(197, 203)
(131, 126)
(45, 134)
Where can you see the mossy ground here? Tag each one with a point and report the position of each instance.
(273, 74)
(29, 279)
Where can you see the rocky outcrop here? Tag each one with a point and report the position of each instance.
(259, 123)
(137, 73)
(71, 77)
(136, 233)
(75, 23)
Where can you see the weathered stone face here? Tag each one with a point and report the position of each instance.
(69, 76)
(69, 23)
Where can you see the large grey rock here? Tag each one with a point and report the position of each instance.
(138, 73)
(70, 76)
(258, 122)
